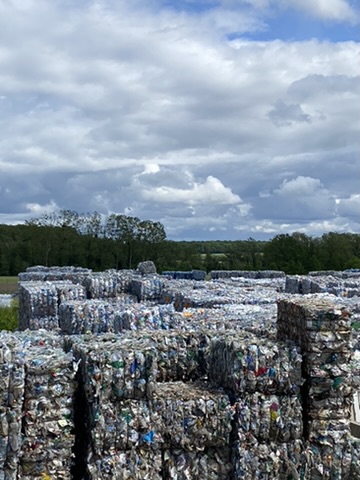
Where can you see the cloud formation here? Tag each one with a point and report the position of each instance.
(157, 110)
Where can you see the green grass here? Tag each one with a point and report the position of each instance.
(8, 285)
(9, 319)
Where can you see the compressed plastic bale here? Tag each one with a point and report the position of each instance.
(127, 366)
(126, 424)
(178, 275)
(135, 464)
(48, 416)
(114, 367)
(199, 275)
(193, 414)
(42, 273)
(258, 319)
(147, 288)
(91, 316)
(147, 267)
(37, 300)
(108, 284)
(315, 324)
(266, 460)
(244, 363)
(270, 417)
(12, 375)
(15, 350)
(66, 290)
(139, 316)
(115, 316)
(199, 294)
(15, 414)
(39, 303)
(114, 370)
(328, 282)
(178, 355)
(210, 464)
(86, 316)
(246, 274)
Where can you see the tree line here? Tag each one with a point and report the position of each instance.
(121, 241)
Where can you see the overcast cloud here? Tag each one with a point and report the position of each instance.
(222, 119)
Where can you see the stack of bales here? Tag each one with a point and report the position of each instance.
(118, 315)
(323, 332)
(199, 275)
(89, 316)
(215, 274)
(48, 415)
(265, 380)
(41, 273)
(12, 376)
(340, 286)
(196, 294)
(36, 388)
(39, 302)
(138, 406)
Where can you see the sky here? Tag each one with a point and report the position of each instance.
(222, 119)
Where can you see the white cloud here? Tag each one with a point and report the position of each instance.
(300, 186)
(37, 210)
(212, 191)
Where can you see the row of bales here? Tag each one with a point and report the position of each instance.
(133, 375)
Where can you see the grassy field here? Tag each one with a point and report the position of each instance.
(8, 285)
(9, 317)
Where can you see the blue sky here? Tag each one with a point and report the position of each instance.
(222, 119)
(281, 20)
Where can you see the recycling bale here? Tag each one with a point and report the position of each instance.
(323, 330)
(246, 363)
(113, 367)
(38, 305)
(48, 424)
(67, 290)
(193, 414)
(146, 268)
(12, 375)
(108, 284)
(209, 463)
(92, 316)
(330, 282)
(215, 274)
(270, 417)
(141, 316)
(147, 287)
(179, 356)
(125, 425)
(55, 273)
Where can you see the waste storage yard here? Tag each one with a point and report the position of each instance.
(133, 375)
